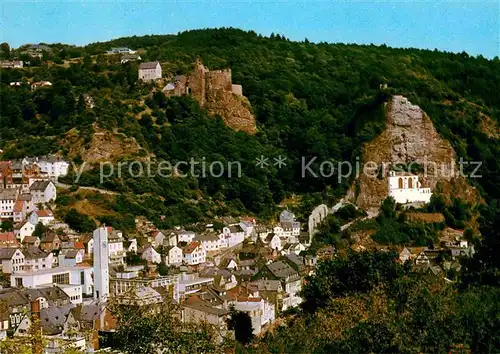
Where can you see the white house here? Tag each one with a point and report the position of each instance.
(11, 64)
(8, 199)
(194, 253)
(151, 255)
(18, 211)
(273, 242)
(261, 312)
(406, 188)
(120, 50)
(35, 259)
(157, 238)
(231, 236)
(130, 245)
(288, 230)
(247, 227)
(12, 260)
(115, 244)
(53, 166)
(70, 257)
(209, 241)
(293, 248)
(185, 236)
(173, 256)
(150, 71)
(39, 84)
(43, 216)
(43, 192)
(24, 229)
(129, 57)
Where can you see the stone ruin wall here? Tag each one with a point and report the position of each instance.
(219, 80)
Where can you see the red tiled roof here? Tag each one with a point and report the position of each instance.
(79, 245)
(191, 247)
(8, 238)
(18, 207)
(249, 299)
(44, 213)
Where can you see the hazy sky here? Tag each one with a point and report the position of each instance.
(471, 26)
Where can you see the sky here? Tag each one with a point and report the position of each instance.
(472, 26)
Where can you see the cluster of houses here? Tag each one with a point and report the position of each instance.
(11, 64)
(68, 278)
(74, 274)
(27, 186)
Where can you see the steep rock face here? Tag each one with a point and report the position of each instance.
(410, 137)
(103, 146)
(235, 110)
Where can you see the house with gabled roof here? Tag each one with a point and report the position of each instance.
(36, 259)
(8, 239)
(173, 255)
(273, 241)
(8, 198)
(149, 253)
(31, 241)
(129, 57)
(50, 241)
(290, 281)
(11, 259)
(194, 253)
(209, 241)
(150, 71)
(43, 216)
(23, 230)
(43, 192)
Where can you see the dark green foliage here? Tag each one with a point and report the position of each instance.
(79, 222)
(348, 213)
(40, 230)
(351, 273)
(6, 225)
(134, 259)
(484, 267)
(162, 268)
(241, 323)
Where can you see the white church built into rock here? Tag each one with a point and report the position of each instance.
(406, 188)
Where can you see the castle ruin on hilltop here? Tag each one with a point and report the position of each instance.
(201, 83)
(215, 91)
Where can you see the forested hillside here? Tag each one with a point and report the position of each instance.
(309, 99)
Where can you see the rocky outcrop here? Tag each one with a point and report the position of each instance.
(215, 91)
(103, 146)
(409, 137)
(235, 110)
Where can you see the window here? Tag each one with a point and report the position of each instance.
(60, 278)
(19, 282)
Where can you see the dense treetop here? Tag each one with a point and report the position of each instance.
(309, 99)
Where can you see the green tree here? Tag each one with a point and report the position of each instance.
(241, 323)
(40, 230)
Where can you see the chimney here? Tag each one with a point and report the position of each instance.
(36, 327)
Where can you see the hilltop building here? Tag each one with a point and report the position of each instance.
(150, 71)
(406, 188)
(201, 83)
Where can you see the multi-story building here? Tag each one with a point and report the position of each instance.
(194, 253)
(8, 198)
(150, 71)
